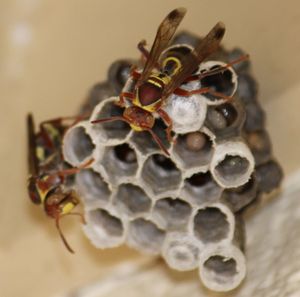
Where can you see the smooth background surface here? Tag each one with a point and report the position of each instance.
(52, 52)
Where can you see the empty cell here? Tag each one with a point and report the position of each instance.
(223, 82)
(222, 268)
(118, 73)
(92, 187)
(201, 188)
(221, 265)
(132, 200)
(119, 161)
(243, 66)
(171, 214)
(211, 225)
(104, 229)
(161, 174)
(241, 196)
(77, 145)
(117, 130)
(181, 251)
(97, 93)
(193, 149)
(260, 146)
(232, 164)
(247, 88)
(232, 167)
(269, 176)
(255, 117)
(145, 236)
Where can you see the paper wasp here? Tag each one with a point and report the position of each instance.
(48, 172)
(163, 76)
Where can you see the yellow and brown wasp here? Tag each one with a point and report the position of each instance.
(165, 70)
(47, 171)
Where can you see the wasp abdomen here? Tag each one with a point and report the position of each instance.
(149, 93)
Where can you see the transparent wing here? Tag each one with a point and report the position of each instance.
(190, 62)
(31, 138)
(164, 34)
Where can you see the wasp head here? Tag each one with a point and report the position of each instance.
(138, 118)
(59, 203)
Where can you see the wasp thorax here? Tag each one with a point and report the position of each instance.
(139, 118)
(150, 92)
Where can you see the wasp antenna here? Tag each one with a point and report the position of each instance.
(73, 170)
(111, 119)
(223, 68)
(62, 236)
(158, 141)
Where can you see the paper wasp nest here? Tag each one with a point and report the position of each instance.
(187, 208)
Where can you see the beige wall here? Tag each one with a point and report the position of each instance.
(51, 53)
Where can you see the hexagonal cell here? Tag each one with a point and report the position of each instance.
(212, 224)
(103, 229)
(223, 82)
(260, 146)
(77, 145)
(119, 72)
(145, 236)
(227, 119)
(255, 117)
(119, 162)
(160, 174)
(92, 188)
(232, 164)
(235, 54)
(193, 149)
(131, 200)
(222, 268)
(181, 251)
(201, 188)
(247, 88)
(269, 176)
(241, 196)
(144, 142)
(97, 93)
(171, 214)
(110, 131)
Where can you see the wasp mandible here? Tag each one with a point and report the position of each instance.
(162, 77)
(47, 176)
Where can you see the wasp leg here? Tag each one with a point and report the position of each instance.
(145, 53)
(168, 121)
(217, 70)
(185, 93)
(74, 170)
(122, 96)
(141, 47)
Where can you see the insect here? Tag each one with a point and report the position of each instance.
(47, 174)
(163, 76)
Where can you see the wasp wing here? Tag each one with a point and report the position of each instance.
(164, 34)
(31, 138)
(191, 61)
